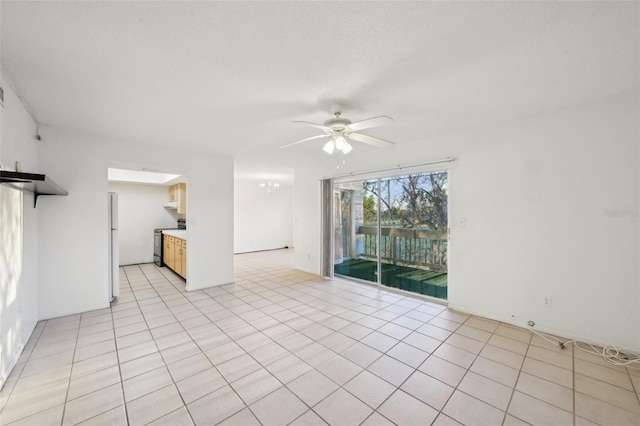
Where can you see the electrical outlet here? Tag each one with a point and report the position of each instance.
(546, 301)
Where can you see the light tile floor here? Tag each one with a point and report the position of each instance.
(284, 347)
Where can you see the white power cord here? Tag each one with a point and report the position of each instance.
(610, 353)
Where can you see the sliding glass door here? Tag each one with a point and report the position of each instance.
(355, 245)
(393, 231)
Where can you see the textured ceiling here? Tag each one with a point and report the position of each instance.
(229, 77)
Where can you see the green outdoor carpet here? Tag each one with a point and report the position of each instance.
(430, 283)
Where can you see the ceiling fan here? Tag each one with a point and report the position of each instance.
(342, 130)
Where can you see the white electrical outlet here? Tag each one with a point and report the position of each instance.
(547, 301)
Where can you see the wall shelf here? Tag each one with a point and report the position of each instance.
(31, 182)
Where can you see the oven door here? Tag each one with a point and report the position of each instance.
(157, 248)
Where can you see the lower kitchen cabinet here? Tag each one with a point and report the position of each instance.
(169, 251)
(175, 254)
(183, 255)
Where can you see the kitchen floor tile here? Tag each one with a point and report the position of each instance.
(495, 371)
(238, 367)
(444, 420)
(534, 411)
(617, 377)
(377, 419)
(179, 417)
(422, 342)
(115, 416)
(605, 392)
(408, 354)
(379, 341)
(141, 365)
(443, 370)
(199, 385)
(92, 382)
(428, 389)
(288, 368)
(503, 356)
(548, 372)
(309, 418)
(215, 407)
(312, 387)
(603, 413)
(403, 409)
(255, 385)
(189, 366)
(434, 332)
(278, 408)
(342, 408)
(455, 355)
(546, 391)
(89, 405)
(469, 410)
(51, 416)
(241, 418)
(391, 370)
(315, 354)
(137, 351)
(339, 369)
(486, 390)
(473, 333)
(369, 388)
(154, 405)
(361, 354)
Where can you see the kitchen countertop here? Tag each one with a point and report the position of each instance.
(178, 233)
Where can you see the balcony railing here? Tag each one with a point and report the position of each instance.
(407, 246)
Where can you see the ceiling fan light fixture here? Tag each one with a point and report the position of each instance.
(346, 148)
(339, 129)
(329, 147)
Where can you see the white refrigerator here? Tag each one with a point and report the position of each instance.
(114, 273)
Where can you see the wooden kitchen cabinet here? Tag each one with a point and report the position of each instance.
(169, 254)
(175, 255)
(178, 194)
(184, 259)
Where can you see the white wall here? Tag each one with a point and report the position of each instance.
(140, 212)
(537, 195)
(18, 235)
(262, 221)
(72, 244)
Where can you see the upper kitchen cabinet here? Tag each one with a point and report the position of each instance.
(173, 194)
(178, 194)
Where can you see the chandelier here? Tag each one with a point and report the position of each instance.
(270, 187)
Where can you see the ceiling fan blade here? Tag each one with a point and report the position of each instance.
(382, 120)
(304, 140)
(380, 143)
(317, 126)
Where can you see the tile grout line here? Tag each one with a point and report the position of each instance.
(513, 390)
(66, 397)
(115, 339)
(158, 349)
(573, 382)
